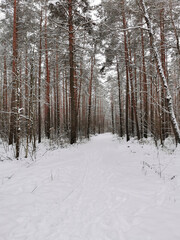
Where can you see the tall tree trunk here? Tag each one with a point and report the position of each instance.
(47, 103)
(35, 106)
(152, 93)
(127, 75)
(5, 86)
(131, 84)
(57, 94)
(39, 81)
(63, 102)
(79, 99)
(18, 118)
(161, 72)
(90, 97)
(71, 79)
(68, 109)
(141, 100)
(112, 111)
(26, 102)
(145, 94)
(163, 61)
(95, 108)
(30, 132)
(119, 98)
(5, 102)
(134, 108)
(83, 115)
(54, 104)
(14, 102)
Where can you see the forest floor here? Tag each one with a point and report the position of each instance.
(104, 189)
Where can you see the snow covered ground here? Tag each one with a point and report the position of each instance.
(101, 190)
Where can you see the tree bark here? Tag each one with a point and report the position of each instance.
(39, 81)
(14, 72)
(161, 72)
(112, 111)
(90, 97)
(71, 79)
(47, 103)
(134, 108)
(119, 98)
(145, 94)
(127, 75)
(14, 135)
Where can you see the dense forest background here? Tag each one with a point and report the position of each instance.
(70, 69)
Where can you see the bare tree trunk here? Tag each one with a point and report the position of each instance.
(47, 103)
(95, 108)
(112, 111)
(67, 107)
(163, 61)
(90, 97)
(134, 102)
(26, 103)
(12, 133)
(71, 80)
(39, 81)
(5, 86)
(134, 108)
(83, 115)
(152, 94)
(18, 95)
(35, 106)
(127, 75)
(161, 72)
(79, 100)
(57, 94)
(63, 102)
(5, 102)
(145, 99)
(119, 98)
(99, 116)
(141, 100)
(18, 130)
(30, 132)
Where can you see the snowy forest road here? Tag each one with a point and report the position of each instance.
(91, 191)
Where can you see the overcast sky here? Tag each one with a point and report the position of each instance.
(95, 1)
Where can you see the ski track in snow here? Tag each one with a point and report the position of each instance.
(93, 191)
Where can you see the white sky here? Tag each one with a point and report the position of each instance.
(95, 2)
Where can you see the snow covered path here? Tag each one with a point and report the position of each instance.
(92, 191)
